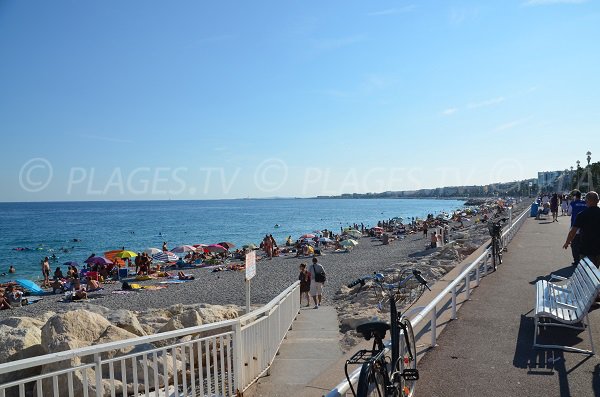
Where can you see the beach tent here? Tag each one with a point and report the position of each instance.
(30, 286)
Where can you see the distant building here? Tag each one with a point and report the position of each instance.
(548, 178)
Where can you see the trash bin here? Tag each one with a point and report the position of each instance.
(534, 209)
(123, 273)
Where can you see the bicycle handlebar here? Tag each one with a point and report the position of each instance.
(378, 278)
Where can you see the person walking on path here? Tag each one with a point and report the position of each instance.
(554, 207)
(317, 274)
(587, 224)
(576, 206)
(304, 278)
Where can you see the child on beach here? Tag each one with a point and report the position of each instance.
(304, 278)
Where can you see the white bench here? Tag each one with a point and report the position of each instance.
(567, 303)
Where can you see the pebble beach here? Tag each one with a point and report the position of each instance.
(272, 277)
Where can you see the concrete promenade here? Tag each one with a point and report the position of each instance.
(488, 350)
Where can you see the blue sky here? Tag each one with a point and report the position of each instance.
(136, 100)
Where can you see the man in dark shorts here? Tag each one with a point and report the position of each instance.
(587, 224)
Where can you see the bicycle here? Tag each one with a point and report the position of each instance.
(393, 371)
(495, 229)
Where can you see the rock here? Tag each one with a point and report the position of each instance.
(186, 319)
(126, 320)
(20, 338)
(79, 325)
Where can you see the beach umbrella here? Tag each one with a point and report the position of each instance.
(308, 241)
(71, 263)
(308, 235)
(325, 240)
(125, 254)
(183, 248)
(227, 245)
(152, 251)
(165, 256)
(349, 243)
(249, 246)
(353, 233)
(215, 248)
(98, 260)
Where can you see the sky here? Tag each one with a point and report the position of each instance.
(138, 100)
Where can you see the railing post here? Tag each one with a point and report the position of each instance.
(433, 326)
(238, 361)
(453, 303)
(468, 286)
(477, 275)
(98, 371)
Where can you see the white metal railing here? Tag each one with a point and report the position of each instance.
(219, 359)
(479, 267)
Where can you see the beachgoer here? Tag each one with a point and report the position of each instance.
(12, 269)
(587, 224)
(316, 287)
(576, 206)
(79, 291)
(183, 276)
(46, 272)
(58, 274)
(164, 247)
(15, 297)
(4, 303)
(433, 240)
(304, 278)
(554, 207)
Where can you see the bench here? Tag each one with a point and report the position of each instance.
(567, 303)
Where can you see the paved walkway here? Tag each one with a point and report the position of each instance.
(311, 347)
(488, 350)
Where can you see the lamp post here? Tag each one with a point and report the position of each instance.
(578, 162)
(589, 157)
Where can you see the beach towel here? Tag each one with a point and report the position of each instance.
(174, 281)
(29, 285)
(154, 287)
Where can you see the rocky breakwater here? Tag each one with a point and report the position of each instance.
(358, 305)
(24, 337)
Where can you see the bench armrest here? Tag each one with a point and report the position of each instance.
(555, 277)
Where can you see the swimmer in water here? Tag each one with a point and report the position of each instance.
(12, 269)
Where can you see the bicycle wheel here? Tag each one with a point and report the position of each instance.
(408, 359)
(373, 378)
(498, 253)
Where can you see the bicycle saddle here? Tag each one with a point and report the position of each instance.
(371, 329)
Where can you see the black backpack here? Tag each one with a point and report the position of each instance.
(319, 274)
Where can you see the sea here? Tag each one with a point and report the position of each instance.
(73, 230)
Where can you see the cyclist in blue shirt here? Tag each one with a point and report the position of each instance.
(576, 206)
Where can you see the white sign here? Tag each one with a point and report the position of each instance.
(250, 265)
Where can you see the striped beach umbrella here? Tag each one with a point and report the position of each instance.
(165, 256)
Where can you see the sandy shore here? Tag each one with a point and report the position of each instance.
(273, 276)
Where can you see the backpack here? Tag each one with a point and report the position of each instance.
(319, 274)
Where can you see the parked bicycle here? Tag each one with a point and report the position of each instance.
(393, 371)
(495, 229)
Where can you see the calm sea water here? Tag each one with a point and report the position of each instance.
(45, 228)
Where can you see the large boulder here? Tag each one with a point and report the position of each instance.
(127, 320)
(20, 338)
